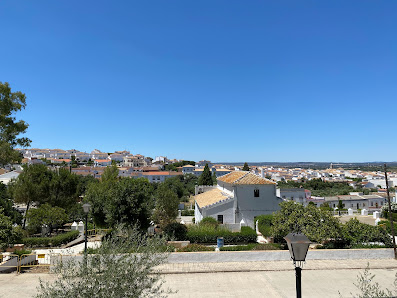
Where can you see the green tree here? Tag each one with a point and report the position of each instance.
(246, 167)
(214, 180)
(64, 189)
(111, 173)
(6, 204)
(125, 201)
(46, 215)
(10, 103)
(113, 271)
(317, 224)
(73, 162)
(8, 234)
(205, 178)
(340, 205)
(166, 206)
(31, 186)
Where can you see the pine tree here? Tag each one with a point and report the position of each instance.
(246, 167)
(205, 178)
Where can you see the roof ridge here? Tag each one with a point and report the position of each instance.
(238, 179)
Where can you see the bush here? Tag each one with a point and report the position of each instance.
(252, 246)
(22, 252)
(175, 231)
(264, 224)
(209, 221)
(195, 247)
(51, 241)
(187, 212)
(209, 234)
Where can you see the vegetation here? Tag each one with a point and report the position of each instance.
(175, 231)
(174, 166)
(166, 206)
(51, 241)
(318, 225)
(124, 201)
(321, 188)
(112, 271)
(252, 246)
(209, 234)
(6, 204)
(246, 167)
(264, 224)
(195, 247)
(46, 215)
(209, 221)
(8, 234)
(205, 178)
(10, 103)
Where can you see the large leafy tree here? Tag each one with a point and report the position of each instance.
(166, 207)
(46, 215)
(8, 234)
(10, 128)
(32, 186)
(6, 204)
(205, 178)
(123, 201)
(317, 224)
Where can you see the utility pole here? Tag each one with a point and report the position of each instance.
(390, 215)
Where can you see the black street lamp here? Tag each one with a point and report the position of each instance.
(298, 245)
(86, 208)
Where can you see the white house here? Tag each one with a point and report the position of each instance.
(188, 169)
(299, 195)
(238, 198)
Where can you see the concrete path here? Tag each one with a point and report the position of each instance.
(320, 278)
(79, 248)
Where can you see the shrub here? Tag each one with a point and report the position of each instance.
(175, 231)
(251, 246)
(209, 234)
(264, 224)
(187, 212)
(195, 247)
(209, 221)
(51, 241)
(22, 252)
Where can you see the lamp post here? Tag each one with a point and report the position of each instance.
(86, 208)
(298, 244)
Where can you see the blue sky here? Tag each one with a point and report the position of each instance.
(218, 80)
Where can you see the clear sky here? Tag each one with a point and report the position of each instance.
(218, 80)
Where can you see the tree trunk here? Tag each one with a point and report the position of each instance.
(26, 212)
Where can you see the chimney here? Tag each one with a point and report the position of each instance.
(262, 173)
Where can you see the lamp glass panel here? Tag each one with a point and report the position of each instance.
(86, 208)
(299, 251)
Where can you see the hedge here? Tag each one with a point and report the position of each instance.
(208, 234)
(264, 224)
(51, 241)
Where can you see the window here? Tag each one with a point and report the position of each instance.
(372, 204)
(351, 205)
(220, 219)
(256, 193)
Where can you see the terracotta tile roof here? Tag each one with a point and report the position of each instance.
(242, 177)
(161, 173)
(210, 197)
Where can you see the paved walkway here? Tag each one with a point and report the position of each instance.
(320, 278)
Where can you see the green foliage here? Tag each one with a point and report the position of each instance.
(46, 215)
(264, 224)
(320, 188)
(209, 234)
(174, 166)
(371, 289)
(195, 247)
(386, 225)
(113, 271)
(10, 103)
(340, 205)
(8, 234)
(354, 232)
(214, 180)
(252, 246)
(246, 167)
(175, 231)
(110, 174)
(22, 252)
(50, 241)
(205, 178)
(209, 221)
(325, 206)
(125, 201)
(7, 205)
(318, 225)
(189, 212)
(166, 206)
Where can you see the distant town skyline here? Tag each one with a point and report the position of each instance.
(219, 80)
